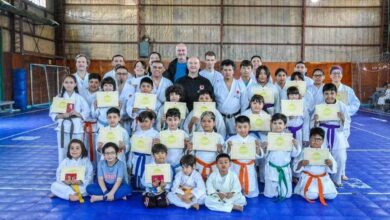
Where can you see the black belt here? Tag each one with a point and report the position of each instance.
(231, 115)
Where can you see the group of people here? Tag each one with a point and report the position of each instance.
(200, 176)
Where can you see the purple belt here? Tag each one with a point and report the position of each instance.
(294, 130)
(330, 133)
(267, 106)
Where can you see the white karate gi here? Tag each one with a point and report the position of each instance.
(125, 139)
(174, 154)
(80, 106)
(329, 189)
(274, 109)
(219, 124)
(253, 187)
(214, 77)
(82, 83)
(62, 190)
(160, 89)
(223, 184)
(193, 182)
(160, 114)
(230, 102)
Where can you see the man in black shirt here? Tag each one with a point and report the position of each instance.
(193, 82)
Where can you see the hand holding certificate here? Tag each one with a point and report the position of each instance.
(260, 122)
(301, 85)
(327, 112)
(204, 141)
(172, 139)
(62, 105)
(108, 134)
(316, 156)
(200, 107)
(243, 151)
(267, 94)
(73, 174)
(141, 144)
(292, 107)
(145, 100)
(160, 172)
(280, 141)
(107, 99)
(181, 106)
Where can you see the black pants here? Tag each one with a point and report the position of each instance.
(152, 201)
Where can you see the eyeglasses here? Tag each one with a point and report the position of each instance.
(109, 153)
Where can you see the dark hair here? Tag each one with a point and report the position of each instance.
(293, 90)
(178, 89)
(157, 148)
(158, 61)
(108, 80)
(279, 116)
(75, 81)
(210, 53)
(228, 62)
(94, 76)
(255, 56)
(146, 80)
(110, 144)
(146, 115)
(117, 55)
(173, 112)
(139, 61)
(318, 69)
(317, 130)
(242, 119)
(117, 67)
(279, 70)
(154, 52)
(257, 98)
(266, 70)
(246, 63)
(84, 152)
(188, 160)
(113, 110)
(296, 74)
(329, 87)
(222, 155)
(206, 91)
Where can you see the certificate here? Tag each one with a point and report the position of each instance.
(280, 141)
(172, 139)
(267, 94)
(107, 134)
(260, 122)
(73, 173)
(327, 112)
(62, 105)
(343, 97)
(301, 85)
(315, 156)
(292, 107)
(243, 151)
(161, 172)
(205, 141)
(181, 106)
(145, 100)
(200, 107)
(107, 99)
(141, 144)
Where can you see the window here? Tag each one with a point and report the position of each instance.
(41, 3)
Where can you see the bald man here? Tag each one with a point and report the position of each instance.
(193, 82)
(178, 67)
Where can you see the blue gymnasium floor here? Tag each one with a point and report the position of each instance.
(28, 160)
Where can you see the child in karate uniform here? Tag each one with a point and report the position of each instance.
(315, 181)
(245, 169)
(188, 189)
(278, 174)
(223, 188)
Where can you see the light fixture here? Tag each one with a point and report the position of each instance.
(314, 1)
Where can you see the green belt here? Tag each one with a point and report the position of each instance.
(281, 178)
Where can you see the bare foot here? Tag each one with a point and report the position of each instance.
(344, 178)
(124, 198)
(338, 185)
(196, 206)
(96, 198)
(73, 198)
(51, 195)
(238, 208)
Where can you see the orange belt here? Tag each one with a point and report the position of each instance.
(244, 178)
(205, 167)
(88, 129)
(320, 187)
